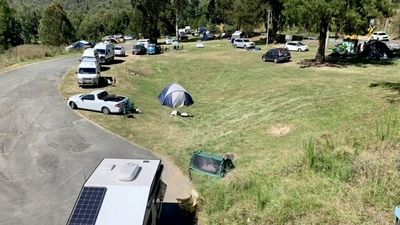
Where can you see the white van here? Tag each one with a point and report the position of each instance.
(144, 42)
(121, 192)
(88, 73)
(105, 51)
(90, 53)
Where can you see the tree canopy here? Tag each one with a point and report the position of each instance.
(55, 28)
(350, 16)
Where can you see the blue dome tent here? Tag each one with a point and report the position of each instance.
(174, 95)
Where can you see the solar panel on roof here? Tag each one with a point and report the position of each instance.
(88, 206)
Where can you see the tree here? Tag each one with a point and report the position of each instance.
(179, 6)
(5, 21)
(351, 15)
(55, 28)
(150, 10)
(29, 21)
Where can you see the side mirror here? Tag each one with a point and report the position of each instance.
(80, 60)
(76, 72)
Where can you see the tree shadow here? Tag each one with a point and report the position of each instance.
(394, 87)
(344, 61)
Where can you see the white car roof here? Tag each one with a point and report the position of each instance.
(125, 200)
(143, 40)
(87, 64)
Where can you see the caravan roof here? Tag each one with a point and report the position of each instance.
(120, 189)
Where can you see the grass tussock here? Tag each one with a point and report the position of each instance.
(26, 53)
(312, 145)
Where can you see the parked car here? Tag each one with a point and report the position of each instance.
(243, 43)
(88, 72)
(100, 101)
(144, 42)
(296, 46)
(169, 40)
(153, 49)
(90, 53)
(128, 37)
(380, 36)
(139, 49)
(119, 50)
(277, 55)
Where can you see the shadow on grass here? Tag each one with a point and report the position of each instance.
(116, 61)
(104, 68)
(345, 61)
(395, 87)
(172, 214)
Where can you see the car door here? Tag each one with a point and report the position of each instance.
(87, 102)
(269, 55)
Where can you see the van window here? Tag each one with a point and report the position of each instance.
(101, 51)
(87, 70)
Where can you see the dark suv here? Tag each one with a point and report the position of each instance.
(139, 49)
(277, 55)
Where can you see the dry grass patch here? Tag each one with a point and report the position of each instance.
(280, 130)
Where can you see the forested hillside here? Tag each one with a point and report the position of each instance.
(69, 5)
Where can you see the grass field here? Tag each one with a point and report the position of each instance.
(312, 145)
(29, 53)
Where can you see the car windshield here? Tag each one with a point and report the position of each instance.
(118, 48)
(101, 51)
(102, 95)
(245, 40)
(300, 43)
(87, 70)
(382, 33)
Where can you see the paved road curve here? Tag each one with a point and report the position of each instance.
(46, 150)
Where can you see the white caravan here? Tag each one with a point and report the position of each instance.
(105, 51)
(121, 192)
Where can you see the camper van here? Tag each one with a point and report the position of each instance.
(88, 73)
(90, 53)
(122, 192)
(105, 51)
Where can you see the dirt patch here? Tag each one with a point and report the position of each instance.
(280, 130)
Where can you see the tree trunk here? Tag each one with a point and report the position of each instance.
(176, 23)
(323, 30)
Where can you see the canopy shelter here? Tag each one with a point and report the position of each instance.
(174, 95)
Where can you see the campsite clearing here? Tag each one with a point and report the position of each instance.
(316, 145)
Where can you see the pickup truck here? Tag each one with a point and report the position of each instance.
(100, 101)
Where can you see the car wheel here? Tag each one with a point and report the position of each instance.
(105, 110)
(234, 46)
(275, 60)
(299, 50)
(73, 105)
(245, 47)
(263, 59)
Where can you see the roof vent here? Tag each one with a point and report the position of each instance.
(128, 172)
(108, 167)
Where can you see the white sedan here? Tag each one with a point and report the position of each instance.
(119, 50)
(296, 46)
(100, 101)
(380, 36)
